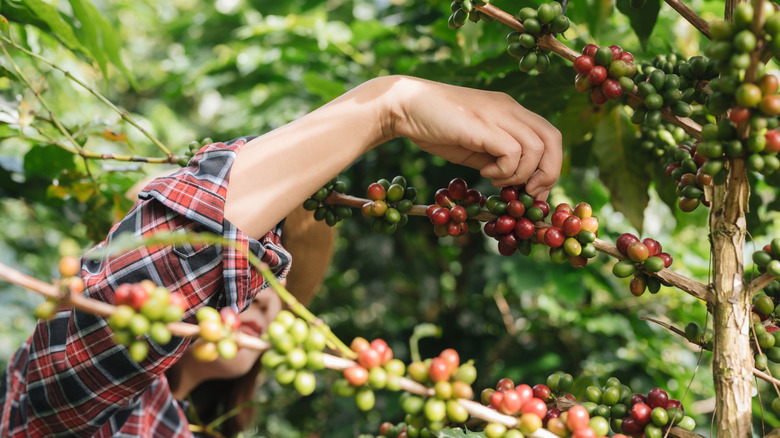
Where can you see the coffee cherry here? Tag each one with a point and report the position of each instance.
(640, 412)
(305, 382)
(439, 370)
(637, 251)
(369, 358)
(623, 241)
(365, 399)
(577, 418)
(584, 64)
(554, 237)
(159, 333)
(206, 352)
(356, 375)
(138, 350)
(69, 266)
(457, 189)
(376, 191)
(657, 397)
(210, 331)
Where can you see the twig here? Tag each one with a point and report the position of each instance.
(506, 311)
(679, 281)
(759, 283)
(699, 23)
(42, 101)
(172, 159)
(756, 372)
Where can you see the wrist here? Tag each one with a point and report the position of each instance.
(391, 97)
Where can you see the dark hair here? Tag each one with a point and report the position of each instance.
(214, 398)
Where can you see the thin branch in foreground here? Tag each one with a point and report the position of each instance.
(83, 303)
(123, 114)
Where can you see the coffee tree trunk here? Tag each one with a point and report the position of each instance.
(732, 359)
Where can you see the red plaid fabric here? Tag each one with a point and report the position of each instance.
(71, 379)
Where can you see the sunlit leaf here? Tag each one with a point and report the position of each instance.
(459, 433)
(100, 36)
(621, 165)
(642, 19)
(58, 26)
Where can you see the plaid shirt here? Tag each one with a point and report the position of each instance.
(71, 379)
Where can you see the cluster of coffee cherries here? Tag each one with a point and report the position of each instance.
(375, 369)
(529, 404)
(674, 81)
(661, 142)
(767, 259)
(759, 148)
(605, 72)
(569, 235)
(69, 283)
(331, 214)
(615, 406)
(515, 225)
(451, 381)
(465, 10)
(734, 40)
(216, 332)
(388, 205)
(193, 149)
(754, 104)
(144, 308)
(659, 89)
(642, 258)
(455, 208)
(297, 351)
(547, 19)
(690, 177)
(765, 339)
(650, 414)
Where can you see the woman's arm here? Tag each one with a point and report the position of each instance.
(484, 130)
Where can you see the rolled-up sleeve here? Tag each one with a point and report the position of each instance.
(70, 378)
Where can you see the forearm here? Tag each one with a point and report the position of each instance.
(484, 130)
(275, 172)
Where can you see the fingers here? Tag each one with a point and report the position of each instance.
(538, 163)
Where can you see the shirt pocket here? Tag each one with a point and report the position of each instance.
(194, 267)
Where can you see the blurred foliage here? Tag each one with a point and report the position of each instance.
(189, 69)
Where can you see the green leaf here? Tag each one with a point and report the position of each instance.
(595, 13)
(459, 433)
(47, 161)
(621, 165)
(642, 19)
(100, 37)
(317, 84)
(57, 25)
(4, 25)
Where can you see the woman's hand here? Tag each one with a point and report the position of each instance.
(485, 130)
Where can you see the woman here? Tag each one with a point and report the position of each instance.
(71, 379)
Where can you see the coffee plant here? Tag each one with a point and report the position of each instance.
(707, 121)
